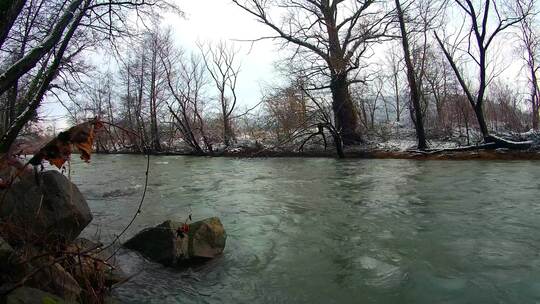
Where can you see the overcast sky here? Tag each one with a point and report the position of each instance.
(215, 20)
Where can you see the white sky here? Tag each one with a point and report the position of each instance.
(215, 20)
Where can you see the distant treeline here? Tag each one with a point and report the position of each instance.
(355, 71)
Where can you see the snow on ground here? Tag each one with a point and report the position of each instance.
(411, 144)
(396, 145)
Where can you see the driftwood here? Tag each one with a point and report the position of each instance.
(508, 144)
(490, 143)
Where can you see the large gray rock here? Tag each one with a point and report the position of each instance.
(48, 207)
(55, 279)
(167, 244)
(27, 295)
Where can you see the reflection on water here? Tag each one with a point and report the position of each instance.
(330, 231)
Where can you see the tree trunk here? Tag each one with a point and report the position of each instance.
(396, 91)
(29, 61)
(9, 10)
(39, 86)
(535, 114)
(345, 114)
(11, 113)
(413, 85)
(339, 147)
(227, 131)
(478, 110)
(13, 92)
(154, 132)
(534, 94)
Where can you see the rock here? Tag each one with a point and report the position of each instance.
(55, 279)
(160, 243)
(166, 243)
(110, 300)
(5, 252)
(115, 276)
(100, 262)
(49, 207)
(27, 295)
(83, 244)
(207, 238)
(7, 261)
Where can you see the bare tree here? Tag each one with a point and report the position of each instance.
(40, 84)
(439, 82)
(98, 102)
(30, 60)
(144, 75)
(45, 58)
(337, 32)
(9, 10)
(530, 47)
(395, 66)
(287, 110)
(221, 63)
(131, 116)
(486, 19)
(187, 81)
(415, 90)
(503, 107)
(27, 31)
(156, 44)
(368, 98)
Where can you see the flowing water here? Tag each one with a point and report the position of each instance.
(330, 231)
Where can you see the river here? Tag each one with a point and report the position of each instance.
(329, 231)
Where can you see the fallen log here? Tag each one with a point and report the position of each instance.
(508, 144)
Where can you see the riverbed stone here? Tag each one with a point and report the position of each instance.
(46, 206)
(169, 244)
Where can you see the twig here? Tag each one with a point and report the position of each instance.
(139, 209)
(37, 270)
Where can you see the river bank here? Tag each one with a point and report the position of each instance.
(481, 154)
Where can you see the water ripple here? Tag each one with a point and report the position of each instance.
(330, 231)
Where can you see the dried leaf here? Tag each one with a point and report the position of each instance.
(59, 150)
(82, 136)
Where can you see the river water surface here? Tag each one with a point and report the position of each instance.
(330, 231)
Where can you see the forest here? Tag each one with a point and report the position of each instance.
(369, 75)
